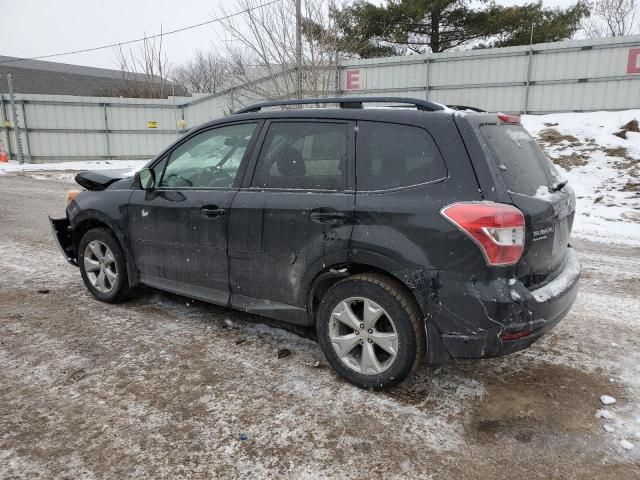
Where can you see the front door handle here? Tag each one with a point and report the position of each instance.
(327, 215)
(212, 212)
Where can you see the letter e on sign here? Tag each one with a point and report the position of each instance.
(634, 61)
(354, 80)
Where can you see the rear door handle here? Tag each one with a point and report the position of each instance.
(327, 215)
(212, 212)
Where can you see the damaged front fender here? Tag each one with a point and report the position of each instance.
(63, 236)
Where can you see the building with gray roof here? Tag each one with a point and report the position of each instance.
(53, 78)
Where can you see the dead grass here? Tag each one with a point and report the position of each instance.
(621, 152)
(570, 161)
(553, 137)
(630, 126)
(631, 187)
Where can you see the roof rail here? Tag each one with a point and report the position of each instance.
(345, 102)
(465, 107)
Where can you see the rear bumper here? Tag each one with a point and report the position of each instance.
(498, 309)
(61, 230)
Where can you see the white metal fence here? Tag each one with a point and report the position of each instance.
(581, 75)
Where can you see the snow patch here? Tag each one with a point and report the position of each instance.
(604, 413)
(14, 167)
(627, 445)
(607, 400)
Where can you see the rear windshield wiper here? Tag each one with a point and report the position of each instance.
(558, 185)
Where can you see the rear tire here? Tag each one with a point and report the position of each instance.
(370, 331)
(103, 266)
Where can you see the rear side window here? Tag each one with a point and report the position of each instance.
(303, 155)
(524, 166)
(392, 156)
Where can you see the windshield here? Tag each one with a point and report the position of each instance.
(524, 166)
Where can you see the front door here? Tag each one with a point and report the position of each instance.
(294, 218)
(178, 231)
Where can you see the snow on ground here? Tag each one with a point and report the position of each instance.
(602, 168)
(62, 169)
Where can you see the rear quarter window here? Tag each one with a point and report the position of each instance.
(522, 163)
(393, 156)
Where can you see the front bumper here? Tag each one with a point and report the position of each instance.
(475, 317)
(62, 234)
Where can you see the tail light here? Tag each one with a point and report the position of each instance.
(510, 119)
(497, 228)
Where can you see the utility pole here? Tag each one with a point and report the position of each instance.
(14, 119)
(299, 46)
(525, 108)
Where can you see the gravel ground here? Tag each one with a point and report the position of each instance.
(163, 386)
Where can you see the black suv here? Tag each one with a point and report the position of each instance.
(397, 232)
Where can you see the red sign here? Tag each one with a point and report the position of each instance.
(634, 61)
(353, 80)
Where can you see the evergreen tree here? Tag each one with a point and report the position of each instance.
(419, 26)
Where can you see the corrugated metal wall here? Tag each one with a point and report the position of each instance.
(581, 75)
(59, 128)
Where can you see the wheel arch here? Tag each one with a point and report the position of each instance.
(90, 220)
(327, 278)
(420, 288)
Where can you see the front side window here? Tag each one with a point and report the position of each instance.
(392, 156)
(303, 155)
(209, 159)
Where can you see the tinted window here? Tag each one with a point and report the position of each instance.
(391, 156)
(523, 165)
(209, 159)
(303, 155)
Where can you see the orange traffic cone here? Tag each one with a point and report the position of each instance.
(3, 155)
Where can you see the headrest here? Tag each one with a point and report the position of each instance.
(290, 163)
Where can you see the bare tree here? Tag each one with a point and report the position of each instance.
(144, 73)
(206, 72)
(613, 18)
(261, 49)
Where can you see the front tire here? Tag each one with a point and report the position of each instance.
(103, 266)
(370, 331)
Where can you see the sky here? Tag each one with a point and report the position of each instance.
(31, 28)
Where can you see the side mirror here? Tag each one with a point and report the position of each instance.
(147, 179)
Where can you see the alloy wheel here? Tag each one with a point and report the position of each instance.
(363, 335)
(100, 266)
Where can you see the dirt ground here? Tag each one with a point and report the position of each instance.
(163, 386)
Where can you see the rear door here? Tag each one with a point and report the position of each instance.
(293, 218)
(538, 191)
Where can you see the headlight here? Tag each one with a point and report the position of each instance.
(71, 194)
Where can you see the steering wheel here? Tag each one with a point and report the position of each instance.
(216, 173)
(169, 179)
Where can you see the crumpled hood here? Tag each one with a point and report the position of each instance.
(101, 179)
